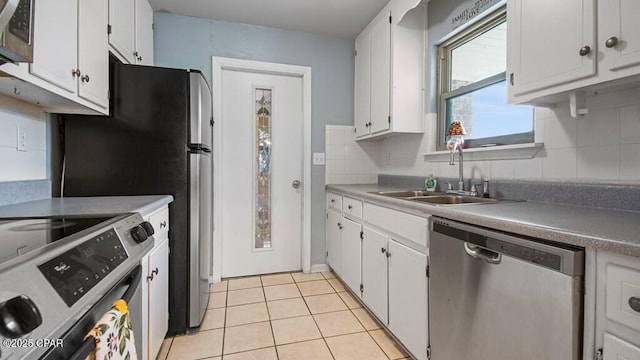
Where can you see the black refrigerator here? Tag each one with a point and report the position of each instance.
(157, 140)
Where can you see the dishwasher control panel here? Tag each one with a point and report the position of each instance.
(543, 258)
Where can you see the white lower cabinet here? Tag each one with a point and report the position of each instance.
(374, 272)
(408, 294)
(334, 236)
(158, 282)
(380, 254)
(618, 306)
(350, 256)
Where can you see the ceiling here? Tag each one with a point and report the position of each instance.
(341, 18)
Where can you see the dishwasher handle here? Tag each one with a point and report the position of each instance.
(480, 253)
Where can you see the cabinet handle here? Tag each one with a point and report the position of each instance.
(333, 200)
(611, 42)
(139, 58)
(339, 226)
(383, 250)
(585, 50)
(135, 53)
(85, 78)
(366, 125)
(388, 254)
(163, 224)
(154, 272)
(634, 303)
(349, 207)
(75, 72)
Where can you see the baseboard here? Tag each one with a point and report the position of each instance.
(319, 268)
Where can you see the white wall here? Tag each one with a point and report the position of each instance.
(22, 165)
(346, 161)
(603, 146)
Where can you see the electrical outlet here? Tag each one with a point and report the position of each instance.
(22, 138)
(318, 158)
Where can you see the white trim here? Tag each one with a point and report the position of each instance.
(502, 152)
(319, 268)
(222, 63)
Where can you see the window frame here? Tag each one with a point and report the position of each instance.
(444, 76)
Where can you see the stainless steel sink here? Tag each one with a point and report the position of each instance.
(453, 200)
(407, 193)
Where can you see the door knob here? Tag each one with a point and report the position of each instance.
(296, 184)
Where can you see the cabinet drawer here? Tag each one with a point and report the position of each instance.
(407, 226)
(160, 222)
(334, 201)
(615, 349)
(352, 208)
(623, 295)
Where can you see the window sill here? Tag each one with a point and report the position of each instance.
(504, 152)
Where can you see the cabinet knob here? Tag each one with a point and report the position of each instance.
(349, 207)
(85, 78)
(333, 200)
(611, 42)
(634, 303)
(339, 226)
(163, 224)
(585, 50)
(366, 125)
(75, 72)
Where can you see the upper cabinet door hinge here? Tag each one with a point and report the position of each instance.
(511, 79)
(389, 119)
(361, 235)
(355, 52)
(361, 288)
(427, 271)
(108, 29)
(390, 19)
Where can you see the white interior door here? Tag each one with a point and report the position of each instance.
(261, 236)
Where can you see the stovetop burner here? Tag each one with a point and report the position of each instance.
(19, 236)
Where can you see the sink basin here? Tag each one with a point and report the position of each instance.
(407, 193)
(453, 200)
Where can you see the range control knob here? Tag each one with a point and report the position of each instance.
(18, 317)
(148, 228)
(139, 234)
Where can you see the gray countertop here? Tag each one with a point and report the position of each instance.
(104, 205)
(610, 230)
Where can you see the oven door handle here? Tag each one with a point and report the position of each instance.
(89, 344)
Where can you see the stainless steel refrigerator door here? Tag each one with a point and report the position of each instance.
(201, 110)
(509, 310)
(200, 236)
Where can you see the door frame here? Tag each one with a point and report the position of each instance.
(304, 72)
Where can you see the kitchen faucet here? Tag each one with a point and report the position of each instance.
(458, 145)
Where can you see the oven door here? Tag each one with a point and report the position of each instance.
(128, 288)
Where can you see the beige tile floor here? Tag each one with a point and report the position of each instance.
(292, 316)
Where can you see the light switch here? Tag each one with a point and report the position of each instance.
(318, 158)
(22, 139)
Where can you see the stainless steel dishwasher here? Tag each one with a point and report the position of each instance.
(496, 296)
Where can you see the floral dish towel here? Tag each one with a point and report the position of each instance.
(113, 335)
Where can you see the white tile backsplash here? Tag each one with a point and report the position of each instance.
(598, 162)
(630, 162)
(630, 125)
(349, 162)
(598, 128)
(559, 164)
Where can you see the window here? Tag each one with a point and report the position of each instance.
(473, 88)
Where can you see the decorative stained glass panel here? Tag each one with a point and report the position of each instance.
(263, 169)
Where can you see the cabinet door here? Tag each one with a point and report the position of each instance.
(538, 56)
(158, 296)
(122, 22)
(144, 345)
(619, 19)
(380, 74)
(351, 254)
(374, 272)
(408, 316)
(144, 32)
(618, 349)
(363, 84)
(55, 43)
(333, 234)
(93, 52)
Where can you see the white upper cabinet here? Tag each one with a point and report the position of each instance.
(389, 72)
(122, 28)
(93, 52)
(70, 68)
(144, 33)
(131, 30)
(557, 48)
(619, 35)
(561, 50)
(54, 60)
